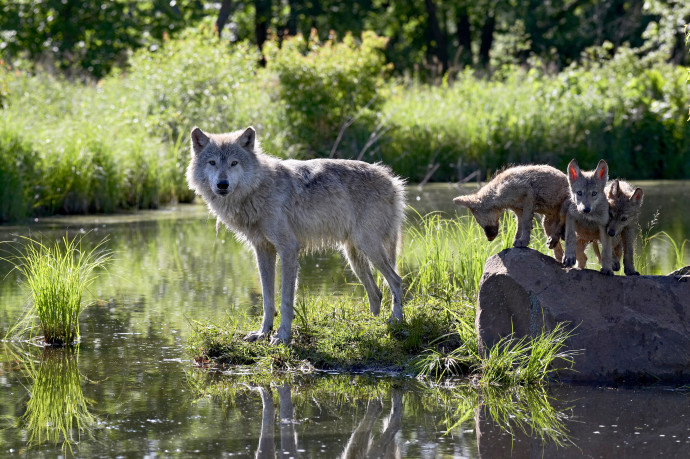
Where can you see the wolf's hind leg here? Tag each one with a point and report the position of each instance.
(289, 265)
(378, 257)
(360, 266)
(266, 259)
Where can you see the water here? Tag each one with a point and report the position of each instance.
(136, 393)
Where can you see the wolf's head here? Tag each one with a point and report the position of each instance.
(625, 203)
(487, 217)
(587, 187)
(222, 163)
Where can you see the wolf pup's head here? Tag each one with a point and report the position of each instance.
(587, 188)
(625, 203)
(221, 164)
(487, 217)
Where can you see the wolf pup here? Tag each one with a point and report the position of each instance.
(524, 190)
(589, 211)
(625, 204)
(283, 206)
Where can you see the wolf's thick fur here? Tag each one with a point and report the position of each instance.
(588, 211)
(283, 206)
(625, 204)
(525, 190)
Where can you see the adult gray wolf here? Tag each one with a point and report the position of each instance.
(588, 211)
(283, 206)
(525, 190)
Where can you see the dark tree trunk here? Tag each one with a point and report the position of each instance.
(464, 37)
(223, 15)
(440, 46)
(487, 39)
(262, 18)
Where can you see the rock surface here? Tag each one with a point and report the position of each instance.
(632, 329)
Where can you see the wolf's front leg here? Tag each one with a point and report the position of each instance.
(606, 252)
(289, 266)
(266, 259)
(570, 241)
(629, 251)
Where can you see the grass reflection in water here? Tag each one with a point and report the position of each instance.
(57, 411)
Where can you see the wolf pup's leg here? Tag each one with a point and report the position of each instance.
(360, 266)
(606, 252)
(266, 259)
(524, 222)
(289, 266)
(628, 237)
(570, 241)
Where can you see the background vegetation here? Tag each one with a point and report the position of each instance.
(97, 100)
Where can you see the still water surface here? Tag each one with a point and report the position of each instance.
(131, 389)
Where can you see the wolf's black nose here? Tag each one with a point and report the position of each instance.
(223, 184)
(587, 210)
(612, 233)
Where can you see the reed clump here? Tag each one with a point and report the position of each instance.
(56, 276)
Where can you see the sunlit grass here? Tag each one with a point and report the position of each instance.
(56, 277)
(443, 264)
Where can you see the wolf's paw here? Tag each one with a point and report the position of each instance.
(631, 272)
(606, 272)
(281, 337)
(552, 241)
(569, 261)
(393, 320)
(616, 265)
(255, 336)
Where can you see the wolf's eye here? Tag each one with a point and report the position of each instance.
(212, 163)
(594, 193)
(234, 163)
(579, 193)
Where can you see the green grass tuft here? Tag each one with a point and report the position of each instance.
(56, 277)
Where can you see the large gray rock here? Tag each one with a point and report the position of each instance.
(628, 329)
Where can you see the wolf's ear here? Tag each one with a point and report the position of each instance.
(602, 171)
(637, 196)
(199, 140)
(573, 169)
(247, 138)
(613, 191)
(465, 201)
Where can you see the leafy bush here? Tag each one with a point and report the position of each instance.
(325, 88)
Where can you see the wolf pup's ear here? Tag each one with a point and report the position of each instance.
(465, 201)
(637, 196)
(199, 140)
(246, 140)
(602, 171)
(573, 169)
(613, 191)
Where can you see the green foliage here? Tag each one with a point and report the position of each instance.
(324, 88)
(124, 142)
(87, 37)
(56, 277)
(621, 110)
(17, 175)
